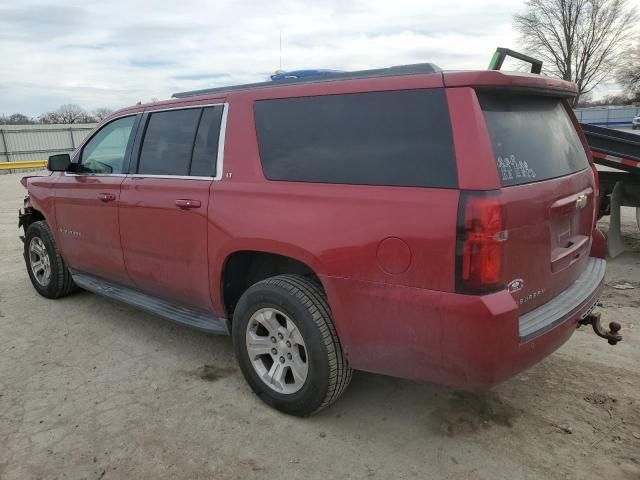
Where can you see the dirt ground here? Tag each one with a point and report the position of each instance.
(90, 388)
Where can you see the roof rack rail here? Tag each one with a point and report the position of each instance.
(413, 69)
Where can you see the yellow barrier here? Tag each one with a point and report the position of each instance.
(24, 164)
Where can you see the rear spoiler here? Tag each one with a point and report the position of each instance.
(526, 83)
(514, 81)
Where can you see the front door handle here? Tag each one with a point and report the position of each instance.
(186, 203)
(106, 197)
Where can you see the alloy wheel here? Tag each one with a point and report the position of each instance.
(39, 261)
(277, 350)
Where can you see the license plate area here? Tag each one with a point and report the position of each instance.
(569, 222)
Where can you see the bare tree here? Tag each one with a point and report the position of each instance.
(582, 41)
(15, 119)
(68, 114)
(101, 113)
(49, 117)
(621, 99)
(628, 74)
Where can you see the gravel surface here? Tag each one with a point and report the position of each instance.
(90, 388)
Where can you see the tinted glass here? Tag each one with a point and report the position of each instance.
(400, 138)
(105, 152)
(168, 142)
(205, 150)
(533, 138)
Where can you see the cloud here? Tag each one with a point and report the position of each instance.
(115, 53)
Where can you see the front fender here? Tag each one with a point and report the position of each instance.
(39, 203)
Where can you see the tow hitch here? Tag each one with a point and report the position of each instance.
(612, 335)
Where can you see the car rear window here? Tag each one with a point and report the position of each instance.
(533, 138)
(399, 138)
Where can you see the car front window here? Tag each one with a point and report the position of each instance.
(105, 152)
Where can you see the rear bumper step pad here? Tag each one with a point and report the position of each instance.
(555, 311)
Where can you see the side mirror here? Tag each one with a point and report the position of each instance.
(59, 163)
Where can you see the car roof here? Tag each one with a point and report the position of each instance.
(432, 74)
(326, 76)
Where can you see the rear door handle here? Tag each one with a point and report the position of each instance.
(106, 197)
(186, 203)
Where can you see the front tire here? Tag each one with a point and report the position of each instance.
(287, 347)
(46, 268)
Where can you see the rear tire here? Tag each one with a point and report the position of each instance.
(287, 347)
(46, 268)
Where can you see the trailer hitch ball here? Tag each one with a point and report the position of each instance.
(612, 335)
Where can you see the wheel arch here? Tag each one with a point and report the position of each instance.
(38, 203)
(28, 216)
(244, 267)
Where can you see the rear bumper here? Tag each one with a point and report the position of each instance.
(464, 341)
(555, 311)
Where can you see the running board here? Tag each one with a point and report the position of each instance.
(183, 315)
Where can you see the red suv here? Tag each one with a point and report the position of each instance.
(423, 224)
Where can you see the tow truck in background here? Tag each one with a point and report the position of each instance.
(616, 152)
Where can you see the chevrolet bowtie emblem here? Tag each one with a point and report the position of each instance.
(581, 201)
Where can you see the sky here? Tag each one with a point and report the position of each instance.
(114, 53)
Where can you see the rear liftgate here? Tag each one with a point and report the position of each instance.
(612, 335)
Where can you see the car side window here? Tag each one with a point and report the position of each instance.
(168, 142)
(181, 142)
(105, 152)
(205, 149)
(397, 138)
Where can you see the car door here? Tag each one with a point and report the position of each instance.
(163, 207)
(86, 202)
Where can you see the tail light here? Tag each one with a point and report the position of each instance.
(479, 243)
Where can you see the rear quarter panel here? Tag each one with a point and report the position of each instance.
(335, 229)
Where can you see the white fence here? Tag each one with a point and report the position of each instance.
(36, 142)
(608, 116)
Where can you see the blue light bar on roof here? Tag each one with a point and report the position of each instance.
(280, 75)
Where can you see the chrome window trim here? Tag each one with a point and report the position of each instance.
(182, 177)
(95, 174)
(119, 116)
(221, 139)
(201, 105)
